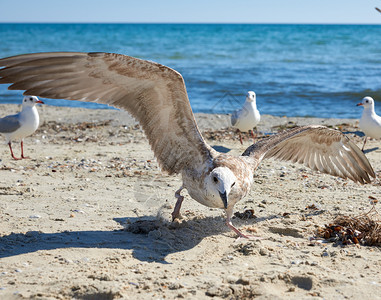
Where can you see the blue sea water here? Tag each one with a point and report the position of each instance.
(295, 70)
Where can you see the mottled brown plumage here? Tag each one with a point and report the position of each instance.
(156, 96)
(319, 148)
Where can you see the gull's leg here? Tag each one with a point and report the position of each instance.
(176, 210)
(252, 135)
(240, 136)
(10, 148)
(22, 150)
(363, 146)
(229, 213)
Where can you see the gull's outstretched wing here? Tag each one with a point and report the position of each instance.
(9, 124)
(317, 147)
(154, 94)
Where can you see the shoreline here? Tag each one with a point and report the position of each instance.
(205, 121)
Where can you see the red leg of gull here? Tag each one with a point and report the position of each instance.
(229, 213)
(10, 148)
(240, 136)
(252, 135)
(176, 210)
(22, 150)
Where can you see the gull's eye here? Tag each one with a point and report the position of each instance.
(215, 179)
(233, 184)
(31, 99)
(366, 101)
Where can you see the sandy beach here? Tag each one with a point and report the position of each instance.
(88, 217)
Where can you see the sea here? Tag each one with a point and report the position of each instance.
(295, 70)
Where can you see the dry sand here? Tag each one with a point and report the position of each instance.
(88, 217)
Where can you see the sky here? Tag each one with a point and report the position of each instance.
(196, 11)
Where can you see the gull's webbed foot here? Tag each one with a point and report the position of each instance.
(228, 222)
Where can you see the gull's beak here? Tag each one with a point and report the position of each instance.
(359, 104)
(39, 101)
(224, 198)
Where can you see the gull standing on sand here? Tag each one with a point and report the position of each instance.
(21, 125)
(246, 118)
(156, 96)
(370, 122)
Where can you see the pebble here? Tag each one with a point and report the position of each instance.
(175, 286)
(34, 217)
(263, 252)
(231, 279)
(219, 291)
(227, 258)
(243, 281)
(325, 253)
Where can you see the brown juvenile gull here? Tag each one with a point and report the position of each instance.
(21, 125)
(156, 96)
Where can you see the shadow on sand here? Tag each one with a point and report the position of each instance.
(149, 239)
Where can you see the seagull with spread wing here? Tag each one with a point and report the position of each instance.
(156, 96)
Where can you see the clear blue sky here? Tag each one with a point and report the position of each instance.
(196, 11)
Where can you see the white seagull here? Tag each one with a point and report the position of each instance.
(370, 122)
(156, 96)
(21, 125)
(246, 118)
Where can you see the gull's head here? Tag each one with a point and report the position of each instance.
(367, 102)
(30, 101)
(220, 183)
(250, 97)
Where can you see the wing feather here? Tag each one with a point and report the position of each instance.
(154, 94)
(9, 124)
(329, 169)
(317, 147)
(339, 163)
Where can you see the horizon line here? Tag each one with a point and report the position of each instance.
(185, 23)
